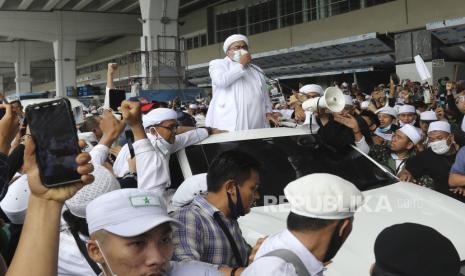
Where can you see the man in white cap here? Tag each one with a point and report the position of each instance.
(306, 118)
(392, 156)
(154, 143)
(407, 115)
(431, 167)
(130, 234)
(426, 118)
(387, 124)
(322, 208)
(192, 110)
(240, 94)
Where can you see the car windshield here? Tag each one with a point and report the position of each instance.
(287, 158)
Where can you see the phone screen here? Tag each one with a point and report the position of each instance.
(116, 98)
(54, 133)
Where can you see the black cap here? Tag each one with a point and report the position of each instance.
(416, 250)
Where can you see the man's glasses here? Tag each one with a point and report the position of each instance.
(239, 47)
(173, 128)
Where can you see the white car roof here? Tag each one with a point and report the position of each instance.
(254, 134)
(409, 202)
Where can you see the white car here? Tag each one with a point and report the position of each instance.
(288, 153)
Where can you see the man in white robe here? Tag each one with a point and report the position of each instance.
(240, 95)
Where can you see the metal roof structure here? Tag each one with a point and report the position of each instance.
(362, 51)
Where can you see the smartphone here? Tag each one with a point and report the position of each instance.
(130, 140)
(54, 132)
(116, 98)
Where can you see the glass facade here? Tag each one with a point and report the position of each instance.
(272, 14)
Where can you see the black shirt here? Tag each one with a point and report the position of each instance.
(433, 165)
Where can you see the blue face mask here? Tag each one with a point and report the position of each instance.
(385, 129)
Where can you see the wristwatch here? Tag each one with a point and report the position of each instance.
(209, 130)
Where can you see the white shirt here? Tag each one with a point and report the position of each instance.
(70, 260)
(151, 163)
(99, 154)
(276, 266)
(240, 96)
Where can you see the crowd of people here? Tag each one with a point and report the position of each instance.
(123, 217)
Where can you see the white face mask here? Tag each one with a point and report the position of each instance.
(401, 124)
(238, 54)
(439, 147)
(159, 143)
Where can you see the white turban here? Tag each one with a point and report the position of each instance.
(407, 109)
(364, 105)
(234, 38)
(439, 126)
(412, 133)
(428, 116)
(157, 116)
(309, 88)
(387, 110)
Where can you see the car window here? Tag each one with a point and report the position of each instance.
(287, 158)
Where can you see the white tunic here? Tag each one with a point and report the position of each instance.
(276, 266)
(151, 163)
(240, 96)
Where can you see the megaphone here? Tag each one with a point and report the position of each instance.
(333, 99)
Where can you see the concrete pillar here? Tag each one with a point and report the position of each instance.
(22, 69)
(159, 32)
(2, 91)
(65, 65)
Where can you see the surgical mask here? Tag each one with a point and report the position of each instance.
(106, 261)
(385, 129)
(238, 54)
(400, 100)
(403, 124)
(237, 209)
(439, 147)
(160, 143)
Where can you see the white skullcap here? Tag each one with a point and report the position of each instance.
(439, 126)
(387, 110)
(193, 106)
(412, 133)
(306, 89)
(364, 105)
(344, 84)
(158, 115)
(190, 188)
(406, 108)
(234, 38)
(428, 116)
(127, 212)
(104, 182)
(323, 196)
(15, 202)
(349, 100)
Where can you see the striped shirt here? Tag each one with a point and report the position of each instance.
(202, 239)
